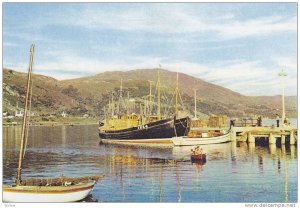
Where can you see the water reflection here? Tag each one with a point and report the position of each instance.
(234, 172)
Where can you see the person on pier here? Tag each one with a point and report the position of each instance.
(277, 120)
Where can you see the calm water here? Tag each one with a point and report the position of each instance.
(234, 172)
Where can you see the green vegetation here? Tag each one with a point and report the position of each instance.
(52, 120)
(89, 95)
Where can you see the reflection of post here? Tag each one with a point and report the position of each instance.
(251, 147)
(260, 164)
(178, 183)
(233, 151)
(160, 184)
(285, 173)
(278, 164)
(272, 148)
(292, 148)
(121, 181)
(63, 135)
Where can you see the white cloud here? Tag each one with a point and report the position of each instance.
(258, 26)
(176, 20)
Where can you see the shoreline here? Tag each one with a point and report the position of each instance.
(50, 124)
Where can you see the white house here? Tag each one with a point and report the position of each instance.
(63, 114)
(19, 114)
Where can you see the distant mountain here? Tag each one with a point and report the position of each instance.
(90, 94)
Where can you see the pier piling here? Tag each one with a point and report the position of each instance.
(251, 138)
(262, 134)
(292, 137)
(272, 139)
(282, 138)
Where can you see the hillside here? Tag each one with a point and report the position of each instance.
(90, 94)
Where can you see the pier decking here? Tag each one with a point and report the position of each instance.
(252, 134)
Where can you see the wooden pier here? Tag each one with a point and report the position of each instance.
(271, 134)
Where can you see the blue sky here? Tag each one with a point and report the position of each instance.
(240, 46)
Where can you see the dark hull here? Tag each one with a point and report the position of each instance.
(200, 159)
(155, 130)
(182, 126)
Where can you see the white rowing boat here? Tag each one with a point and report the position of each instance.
(69, 193)
(192, 141)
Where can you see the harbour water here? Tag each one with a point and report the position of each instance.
(234, 172)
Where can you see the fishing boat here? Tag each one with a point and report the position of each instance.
(132, 128)
(191, 141)
(61, 189)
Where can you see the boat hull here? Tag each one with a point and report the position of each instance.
(187, 141)
(198, 158)
(166, 128)
(70, 193)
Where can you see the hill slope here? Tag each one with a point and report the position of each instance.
(90, 94)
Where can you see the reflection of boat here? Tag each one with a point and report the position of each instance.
(189, 141)
(60, 189)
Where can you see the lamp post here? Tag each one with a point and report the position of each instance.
(282, 74)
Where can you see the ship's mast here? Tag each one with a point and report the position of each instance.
(176, 97)
(150, 99)
(127, 105)
(158, 97)
(120, 98)
(25, 119)
(195, 91)
(112, 105)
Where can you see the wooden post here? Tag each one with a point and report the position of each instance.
(282, 138)
(251, 138)
(233, 135)
(272, 139)
(292, 137)
(243, 137)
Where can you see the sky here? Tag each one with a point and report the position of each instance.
(240, 46)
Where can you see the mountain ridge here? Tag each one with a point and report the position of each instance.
(90, 94)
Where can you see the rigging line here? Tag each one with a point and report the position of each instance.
(29, 117)
(165, 107)
(169, 104)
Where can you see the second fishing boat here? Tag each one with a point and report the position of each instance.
(152, 129)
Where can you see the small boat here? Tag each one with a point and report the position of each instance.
(191, 141)
(50, 190)
(60, 189)
(200, 157)
(197, 155)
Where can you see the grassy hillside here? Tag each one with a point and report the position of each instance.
(88, 95)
